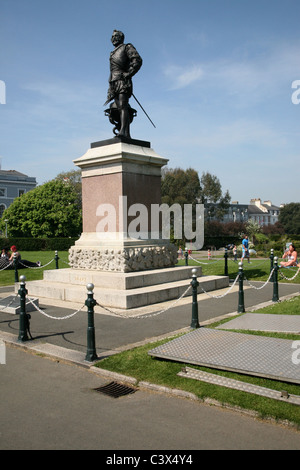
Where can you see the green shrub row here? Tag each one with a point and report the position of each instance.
(38, 244)
(262, 243)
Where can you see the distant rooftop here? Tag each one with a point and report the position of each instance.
(13, 175)
(12, 172)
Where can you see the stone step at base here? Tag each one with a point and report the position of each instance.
(120, 280)
(122, 298)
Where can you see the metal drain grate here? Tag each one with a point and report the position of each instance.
(115, 389)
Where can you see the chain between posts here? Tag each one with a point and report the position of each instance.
(147, 315)
(24, 324)
(289, 278)
(52, 317)
(264, 285)
(223, 295)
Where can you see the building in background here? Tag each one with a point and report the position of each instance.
(13, 184)
(264, 213)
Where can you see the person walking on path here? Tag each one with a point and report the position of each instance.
(245, 249)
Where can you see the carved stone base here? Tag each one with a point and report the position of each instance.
(123, 259)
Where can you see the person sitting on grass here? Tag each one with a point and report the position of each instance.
(4, 259)
(22, 263)
(5, 254)
(291, 255)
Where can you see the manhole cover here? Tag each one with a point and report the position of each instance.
(115, 390)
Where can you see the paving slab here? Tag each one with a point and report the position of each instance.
(239, 352)
(215, 379)
(11, 304)
(264, 322)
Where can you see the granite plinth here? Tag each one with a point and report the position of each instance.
(119, 177)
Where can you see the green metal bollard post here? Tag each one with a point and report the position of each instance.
(16, 267)
(24, 319)
(272, 264)
(56, 260)
(186, 255)
(226, 262)
(275, 281)
(194, 284)
(91, 354)
(241, 306)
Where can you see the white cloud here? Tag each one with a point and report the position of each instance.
(181, 77)
(250, 77)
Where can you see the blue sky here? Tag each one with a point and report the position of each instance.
(216, 80)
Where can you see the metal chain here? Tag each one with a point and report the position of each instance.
(221, 296)
(36, 267)
(54, 318)
(202, 262)
(146, 315)
(261, 287)
(257, 265)
(6, 267)
(289, 278)
(150, 314)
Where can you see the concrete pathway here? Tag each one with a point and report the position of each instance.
(52, 404)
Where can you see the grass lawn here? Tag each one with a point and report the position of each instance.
(290, 307)
(7, 277)
(257, 270)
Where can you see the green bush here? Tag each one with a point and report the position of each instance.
(38, 244)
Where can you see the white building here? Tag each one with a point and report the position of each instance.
(264, 213)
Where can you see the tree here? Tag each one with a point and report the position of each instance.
(211, 188)
(252, 229)
(289, 218)
(50, 210)
(216, 203)
(275, 229)
(73, 177)
(180, 186)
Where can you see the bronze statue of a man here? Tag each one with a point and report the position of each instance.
(124, 63)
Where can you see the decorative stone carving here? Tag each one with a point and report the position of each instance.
(123, 260)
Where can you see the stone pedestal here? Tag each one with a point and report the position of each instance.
(121, 181)
(120, 250)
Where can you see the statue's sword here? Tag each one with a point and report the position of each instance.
(110, 99)
(143, 110)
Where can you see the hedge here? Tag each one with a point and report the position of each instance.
(38, 244)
